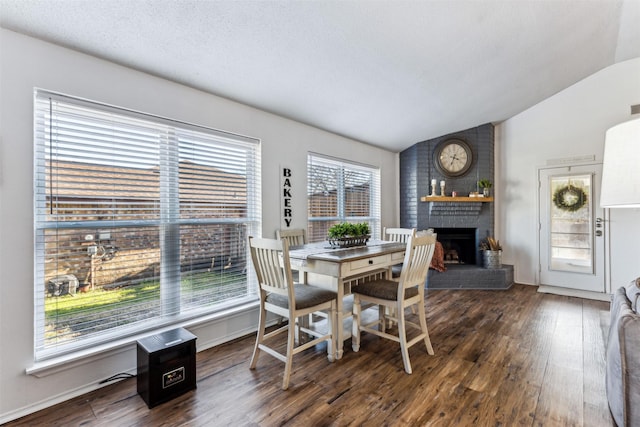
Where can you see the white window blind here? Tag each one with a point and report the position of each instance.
(341, 191)
(140, 221)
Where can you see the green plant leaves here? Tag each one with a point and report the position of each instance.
(346, 229)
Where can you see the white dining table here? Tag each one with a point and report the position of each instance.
(339, 269)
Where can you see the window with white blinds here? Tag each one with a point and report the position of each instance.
(140, 221)
(341, 191)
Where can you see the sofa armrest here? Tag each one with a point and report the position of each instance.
(623, 361)
(633, 294)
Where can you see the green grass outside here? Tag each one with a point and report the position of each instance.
(84, 313)
(98, 300)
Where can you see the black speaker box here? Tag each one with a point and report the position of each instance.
(166, 366)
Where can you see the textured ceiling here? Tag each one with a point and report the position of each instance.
(388, 73)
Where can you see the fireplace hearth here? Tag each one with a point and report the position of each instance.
(464, 276)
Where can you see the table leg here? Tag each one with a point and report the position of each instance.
(340, 320)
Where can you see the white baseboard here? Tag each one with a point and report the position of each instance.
(556, 290)
(53, 400)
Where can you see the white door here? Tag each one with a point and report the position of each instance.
(571, 228)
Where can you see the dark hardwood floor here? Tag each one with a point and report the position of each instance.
(502, 358)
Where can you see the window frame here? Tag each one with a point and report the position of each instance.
(374, 217)
(169, 221)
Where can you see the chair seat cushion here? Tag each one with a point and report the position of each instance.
(306, 296)
(383, 289)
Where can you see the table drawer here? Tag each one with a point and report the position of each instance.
(366, 264)
(397, 257)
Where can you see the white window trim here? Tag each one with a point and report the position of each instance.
(109, 349)
(47, 359)
(375, 197)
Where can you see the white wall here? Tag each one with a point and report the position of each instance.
(571, 123)
(26, 63)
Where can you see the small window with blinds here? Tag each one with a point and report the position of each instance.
(341, 191)
(140, 222)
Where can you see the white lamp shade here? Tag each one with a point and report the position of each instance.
(621, 167)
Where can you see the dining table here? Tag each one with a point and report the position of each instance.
(339, 269)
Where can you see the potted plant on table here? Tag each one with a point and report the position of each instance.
(486, 185)
(491, 253)
(345, 235)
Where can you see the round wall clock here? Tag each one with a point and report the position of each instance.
(453, 157)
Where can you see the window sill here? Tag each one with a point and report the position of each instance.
(68, 361)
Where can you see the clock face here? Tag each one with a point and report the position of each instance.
(453, 157)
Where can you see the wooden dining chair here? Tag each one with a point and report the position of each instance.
(400, 235)
(295, 236)
(281, 296)
(396, 296)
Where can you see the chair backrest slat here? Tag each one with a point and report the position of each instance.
(400, 235)
(295, 236)
(272, 265)
(417, 260)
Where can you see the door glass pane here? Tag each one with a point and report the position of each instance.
(571, 219)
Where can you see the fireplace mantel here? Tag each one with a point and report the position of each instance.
(448, 199)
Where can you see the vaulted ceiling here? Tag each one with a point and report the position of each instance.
(388, 73)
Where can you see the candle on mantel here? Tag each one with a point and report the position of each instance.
(433, 181)
(441, 183)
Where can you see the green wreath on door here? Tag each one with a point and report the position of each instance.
(569, 198)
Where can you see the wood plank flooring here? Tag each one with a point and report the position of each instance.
(502, 358)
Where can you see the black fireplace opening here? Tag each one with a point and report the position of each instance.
(459, 245)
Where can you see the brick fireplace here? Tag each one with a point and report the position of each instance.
(461, 226)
